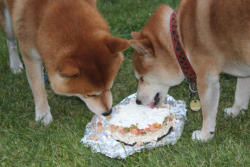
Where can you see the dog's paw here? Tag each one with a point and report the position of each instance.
(231, 112)
(16, 66)
(199, 136)
(44, 118)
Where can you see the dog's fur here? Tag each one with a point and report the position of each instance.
(216, 38)
(73, 41)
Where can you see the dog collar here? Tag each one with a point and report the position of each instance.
(186, 67)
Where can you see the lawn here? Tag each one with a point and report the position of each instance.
(25, 143)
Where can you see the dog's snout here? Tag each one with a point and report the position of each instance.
(138, 102)
(157, 98)
(107, 113)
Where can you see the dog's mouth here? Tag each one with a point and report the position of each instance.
(156, 100)
(107, 113)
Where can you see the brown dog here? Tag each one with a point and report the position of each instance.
(73, 41)
(216, 38)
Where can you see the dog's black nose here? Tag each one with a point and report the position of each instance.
(157, 99)
(138, 102)
(107, 113)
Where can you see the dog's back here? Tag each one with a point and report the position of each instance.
(217, 26)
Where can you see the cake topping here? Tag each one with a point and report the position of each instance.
(140, 116)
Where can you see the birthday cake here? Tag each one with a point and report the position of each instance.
(130, 129)
(134, 124)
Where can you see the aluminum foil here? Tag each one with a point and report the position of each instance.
(103, 143)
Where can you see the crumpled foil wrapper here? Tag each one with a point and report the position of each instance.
(105, 144)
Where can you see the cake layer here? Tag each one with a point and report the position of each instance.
(139, 115)
(131, 139)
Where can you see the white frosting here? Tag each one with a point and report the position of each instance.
(139, 115)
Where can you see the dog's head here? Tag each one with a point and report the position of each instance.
(155, 64)
(88, 72)
(81, 57)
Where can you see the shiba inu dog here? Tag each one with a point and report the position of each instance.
(215, 36)
(72, 39)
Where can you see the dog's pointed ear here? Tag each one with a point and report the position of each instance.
(136, 35)
(68, 68)
(143, 46)
(116, 44)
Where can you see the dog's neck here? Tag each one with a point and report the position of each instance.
(185, 65)
(179, 77)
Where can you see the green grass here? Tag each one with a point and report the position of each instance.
(25, 143)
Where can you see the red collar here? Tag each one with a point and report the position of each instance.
(186, 67)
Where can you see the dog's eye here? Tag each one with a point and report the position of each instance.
(141, 79)
(92, 95)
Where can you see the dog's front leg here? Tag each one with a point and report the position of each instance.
(34, 73)
(209, 93)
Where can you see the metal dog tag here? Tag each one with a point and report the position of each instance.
(195, 105)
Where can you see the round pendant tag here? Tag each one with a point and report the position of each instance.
(195, 105)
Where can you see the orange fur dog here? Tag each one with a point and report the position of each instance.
(216, 38)
(73, 41)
